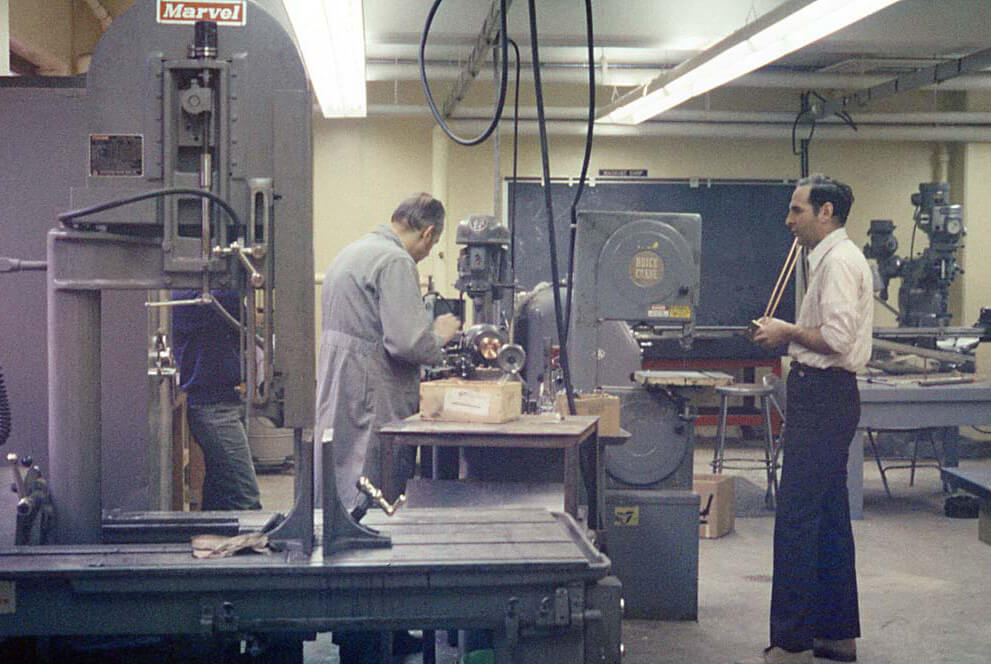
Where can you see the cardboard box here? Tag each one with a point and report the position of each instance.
(458, 400)
(721, 511)
(606, 406)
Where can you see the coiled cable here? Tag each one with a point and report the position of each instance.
(5, 421)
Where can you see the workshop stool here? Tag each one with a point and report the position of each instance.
(913, 461)
(765, 393)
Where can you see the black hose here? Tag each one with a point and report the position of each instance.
(5, 421)
(503, 41)
(66, 217)
(549, 206)
(516, 154)
(590, 40)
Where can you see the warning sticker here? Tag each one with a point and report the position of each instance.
(467, 401)
(680, 311)
(8, 597)
(658, 311)
(626, 515)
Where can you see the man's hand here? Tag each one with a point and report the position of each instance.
(446, 326)
(772, 332)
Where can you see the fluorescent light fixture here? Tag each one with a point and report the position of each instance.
(331, 36)
(787, 28)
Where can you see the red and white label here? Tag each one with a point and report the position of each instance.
(183, 12)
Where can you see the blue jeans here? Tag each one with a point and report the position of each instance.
(230, 482)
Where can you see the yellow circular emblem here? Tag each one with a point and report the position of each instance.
(646, 269)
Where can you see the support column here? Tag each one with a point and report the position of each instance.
(445, 257)
(4, 38)
(74, 428)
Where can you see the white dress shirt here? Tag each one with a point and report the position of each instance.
(840, 302)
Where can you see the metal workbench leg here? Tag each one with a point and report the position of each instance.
(386, 452)
(772, 475)
(571, 481)
(429, 645)
(717, 454)
(877, 459)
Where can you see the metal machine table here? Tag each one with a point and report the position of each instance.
(529, 575)
(529, 431)
(901, 405)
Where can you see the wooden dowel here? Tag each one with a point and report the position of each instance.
(782, 283)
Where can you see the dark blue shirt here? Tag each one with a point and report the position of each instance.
(207, 348)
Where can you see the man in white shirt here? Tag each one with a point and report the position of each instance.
(814, 596)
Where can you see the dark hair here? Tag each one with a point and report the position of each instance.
(419, 211)
(825, 189)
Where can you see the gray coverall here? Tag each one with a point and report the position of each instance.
(375, 335)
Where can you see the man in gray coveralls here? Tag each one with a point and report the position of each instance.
(376, 335)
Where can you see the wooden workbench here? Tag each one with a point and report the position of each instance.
(529, 431)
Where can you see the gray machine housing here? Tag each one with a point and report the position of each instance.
(159, 117)
(634, 267)
(552, 605)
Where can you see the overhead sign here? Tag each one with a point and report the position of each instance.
(188, 12)
(622, 172)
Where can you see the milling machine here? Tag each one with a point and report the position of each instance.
(923, 299)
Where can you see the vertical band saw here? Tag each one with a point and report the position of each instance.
(198, 175)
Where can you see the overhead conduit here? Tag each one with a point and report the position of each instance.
(922, 126)
(563, 121)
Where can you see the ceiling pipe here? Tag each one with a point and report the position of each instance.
(924, 132)
(468, 113)
(632, 75)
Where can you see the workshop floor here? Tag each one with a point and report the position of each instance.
(925, 582)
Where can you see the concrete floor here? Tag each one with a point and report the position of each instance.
(924, 579)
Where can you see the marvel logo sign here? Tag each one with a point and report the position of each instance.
(221, 12)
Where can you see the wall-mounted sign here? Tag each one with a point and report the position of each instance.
(622, 172)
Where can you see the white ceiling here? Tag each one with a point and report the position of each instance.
(663, 33)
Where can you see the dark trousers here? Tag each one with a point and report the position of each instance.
(815, 584)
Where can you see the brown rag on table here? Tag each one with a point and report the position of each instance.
(218, 546)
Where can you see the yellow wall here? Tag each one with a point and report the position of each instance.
(363, 168)
(57, 35)
(43, 30)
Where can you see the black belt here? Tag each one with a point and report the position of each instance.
(803, 369)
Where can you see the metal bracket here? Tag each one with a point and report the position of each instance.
(555, 610)
(255, 278)
(944, 71)
(224, 621)
(512, 622)
(484, 41)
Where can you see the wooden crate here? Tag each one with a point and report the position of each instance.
(458, 400)
(606, 406)
(717, 493)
